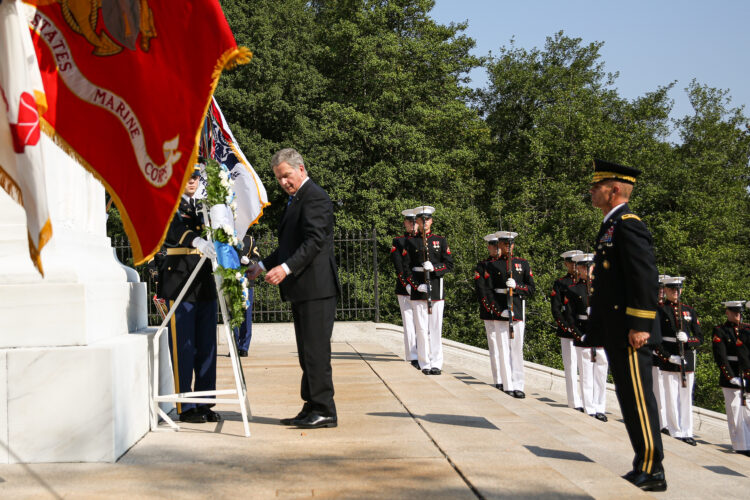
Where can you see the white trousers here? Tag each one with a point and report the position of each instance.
(494, 348)
(407, 317)
(658, 386)
(738, 419)
(570, 362)
(593, 379)
(428, 329)
(678, 402)
(511, 354)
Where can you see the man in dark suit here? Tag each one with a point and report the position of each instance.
(304, 267)
(623, 304)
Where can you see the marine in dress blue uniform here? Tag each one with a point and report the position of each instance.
(567, 349)
(403, 289)
(487, 308)
(623, 314)
(193, 326)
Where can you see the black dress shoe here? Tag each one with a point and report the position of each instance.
(510, 393)
(630, 475)
(315, 421)
(192, 416)
(601, 416)
(689, 440)
(519, 394)
(743, 452)
(415, 363)
(426, 371)
(435, 371)
(211, 416)
(499, 386)
(581, 409)
(664, 430)
(242, 353)
(650, 482)
(289, 421)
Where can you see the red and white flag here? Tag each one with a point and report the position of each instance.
(23, 102)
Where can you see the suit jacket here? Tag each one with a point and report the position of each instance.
(306, 246)
(625, 281)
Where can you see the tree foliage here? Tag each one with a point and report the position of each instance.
(375, 95)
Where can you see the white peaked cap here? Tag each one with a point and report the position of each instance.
(426, 210)
(409, 212)
(490, 238)
(733, 303)
(570, 254)
(673, 280)
(582, 258)
(506, 235)
(663, 277)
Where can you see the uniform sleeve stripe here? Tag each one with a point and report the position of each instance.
(640, 313)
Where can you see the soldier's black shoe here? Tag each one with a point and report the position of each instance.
(315, 421)
(435, 371)
(650, 482)
(601, 416)
(288, 421)
(630, 475)
(426, 371)
(211, 416)
(242, 353)
(510, 393)
(415, 363)
(743, 452)
(519, 394)
(192, 416)
(689, 441)
(664, 430)
(499, 386)
(581, 409)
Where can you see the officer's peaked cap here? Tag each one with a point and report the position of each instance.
(570, 254)
(506, 235)
(583, 258)
(196, 170)
(424, 210)
(490, 238)
(663, 277)
(605, 170)
(674, 281)
(409, 214)
(733, 305)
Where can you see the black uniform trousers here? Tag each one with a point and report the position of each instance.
(193, 348)
(631, 371)
(313, 326)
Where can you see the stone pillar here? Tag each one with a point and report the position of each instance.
(74, 384)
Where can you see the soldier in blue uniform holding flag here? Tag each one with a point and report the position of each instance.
(193, 325)
(623, 315)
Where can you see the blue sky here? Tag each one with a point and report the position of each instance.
(650, 43)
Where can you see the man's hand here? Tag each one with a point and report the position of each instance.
(675, 359)
(253, 271)
(511, 283)
(682, 336)
(244, 260)
(427, 266)
(422, 288)
(637, 339)
(275, 275)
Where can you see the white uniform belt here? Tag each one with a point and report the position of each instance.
(670, 339)
(583, 316)
(501, 290)
(420, 269)
(732, 358)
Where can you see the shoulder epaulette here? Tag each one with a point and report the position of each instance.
(630, 216)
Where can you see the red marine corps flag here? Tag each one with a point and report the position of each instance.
(128, 84)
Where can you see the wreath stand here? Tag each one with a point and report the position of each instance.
(241, 397)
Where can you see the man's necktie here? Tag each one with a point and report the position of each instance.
(289, 202)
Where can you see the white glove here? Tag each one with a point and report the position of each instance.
(735, 381)
(204, 247)
(583, 338)
(682, 337)
(422, 288)
(244, 260)
(511, 283)
(408, 289)
(427, 266)
(674, 358)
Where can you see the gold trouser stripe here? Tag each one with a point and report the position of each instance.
(173, 325)
(640, 401)
(640, 313)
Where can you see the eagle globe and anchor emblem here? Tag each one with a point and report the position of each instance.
(123, 20)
